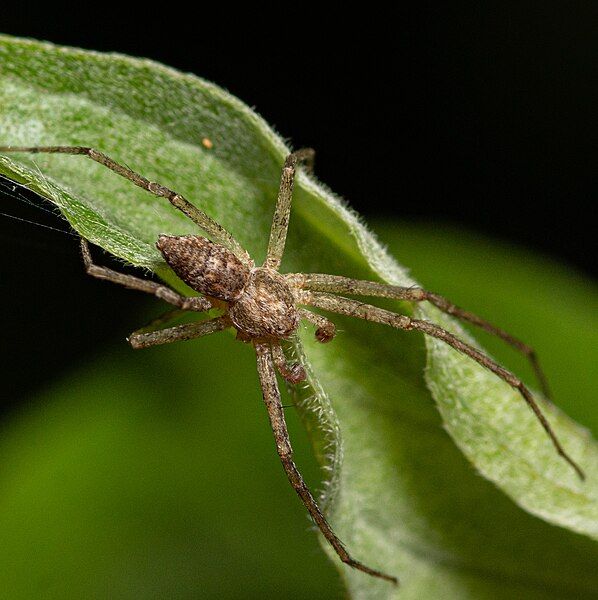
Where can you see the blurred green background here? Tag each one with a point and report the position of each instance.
(153, 474)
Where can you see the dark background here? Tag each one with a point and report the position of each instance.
(482, 117)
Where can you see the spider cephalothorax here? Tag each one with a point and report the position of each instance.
(266, 310)
(266, 307)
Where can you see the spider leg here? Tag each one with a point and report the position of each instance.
(143, 339)
(271, 394)
(280, 221)
(344, 285)
(195, 303)
(211, 227)
(353, 308)
(292, 372)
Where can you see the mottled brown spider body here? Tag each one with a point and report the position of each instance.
(206, 267)
(266, 307)
(259, 301)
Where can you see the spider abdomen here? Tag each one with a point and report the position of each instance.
(206, 267)
(266, 309)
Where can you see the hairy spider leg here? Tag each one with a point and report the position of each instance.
(194, 303)
(337, 284)
(353, 308)
(271, 395)
(143, 339)
(203, 221)
(280, 221)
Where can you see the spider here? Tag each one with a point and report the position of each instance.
(266, 307)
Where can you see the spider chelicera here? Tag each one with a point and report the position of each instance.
(266, 307)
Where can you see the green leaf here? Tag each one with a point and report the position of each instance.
(399, 493)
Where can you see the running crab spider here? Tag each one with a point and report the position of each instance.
(265, 307)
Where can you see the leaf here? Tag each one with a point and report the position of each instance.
(400, 495)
